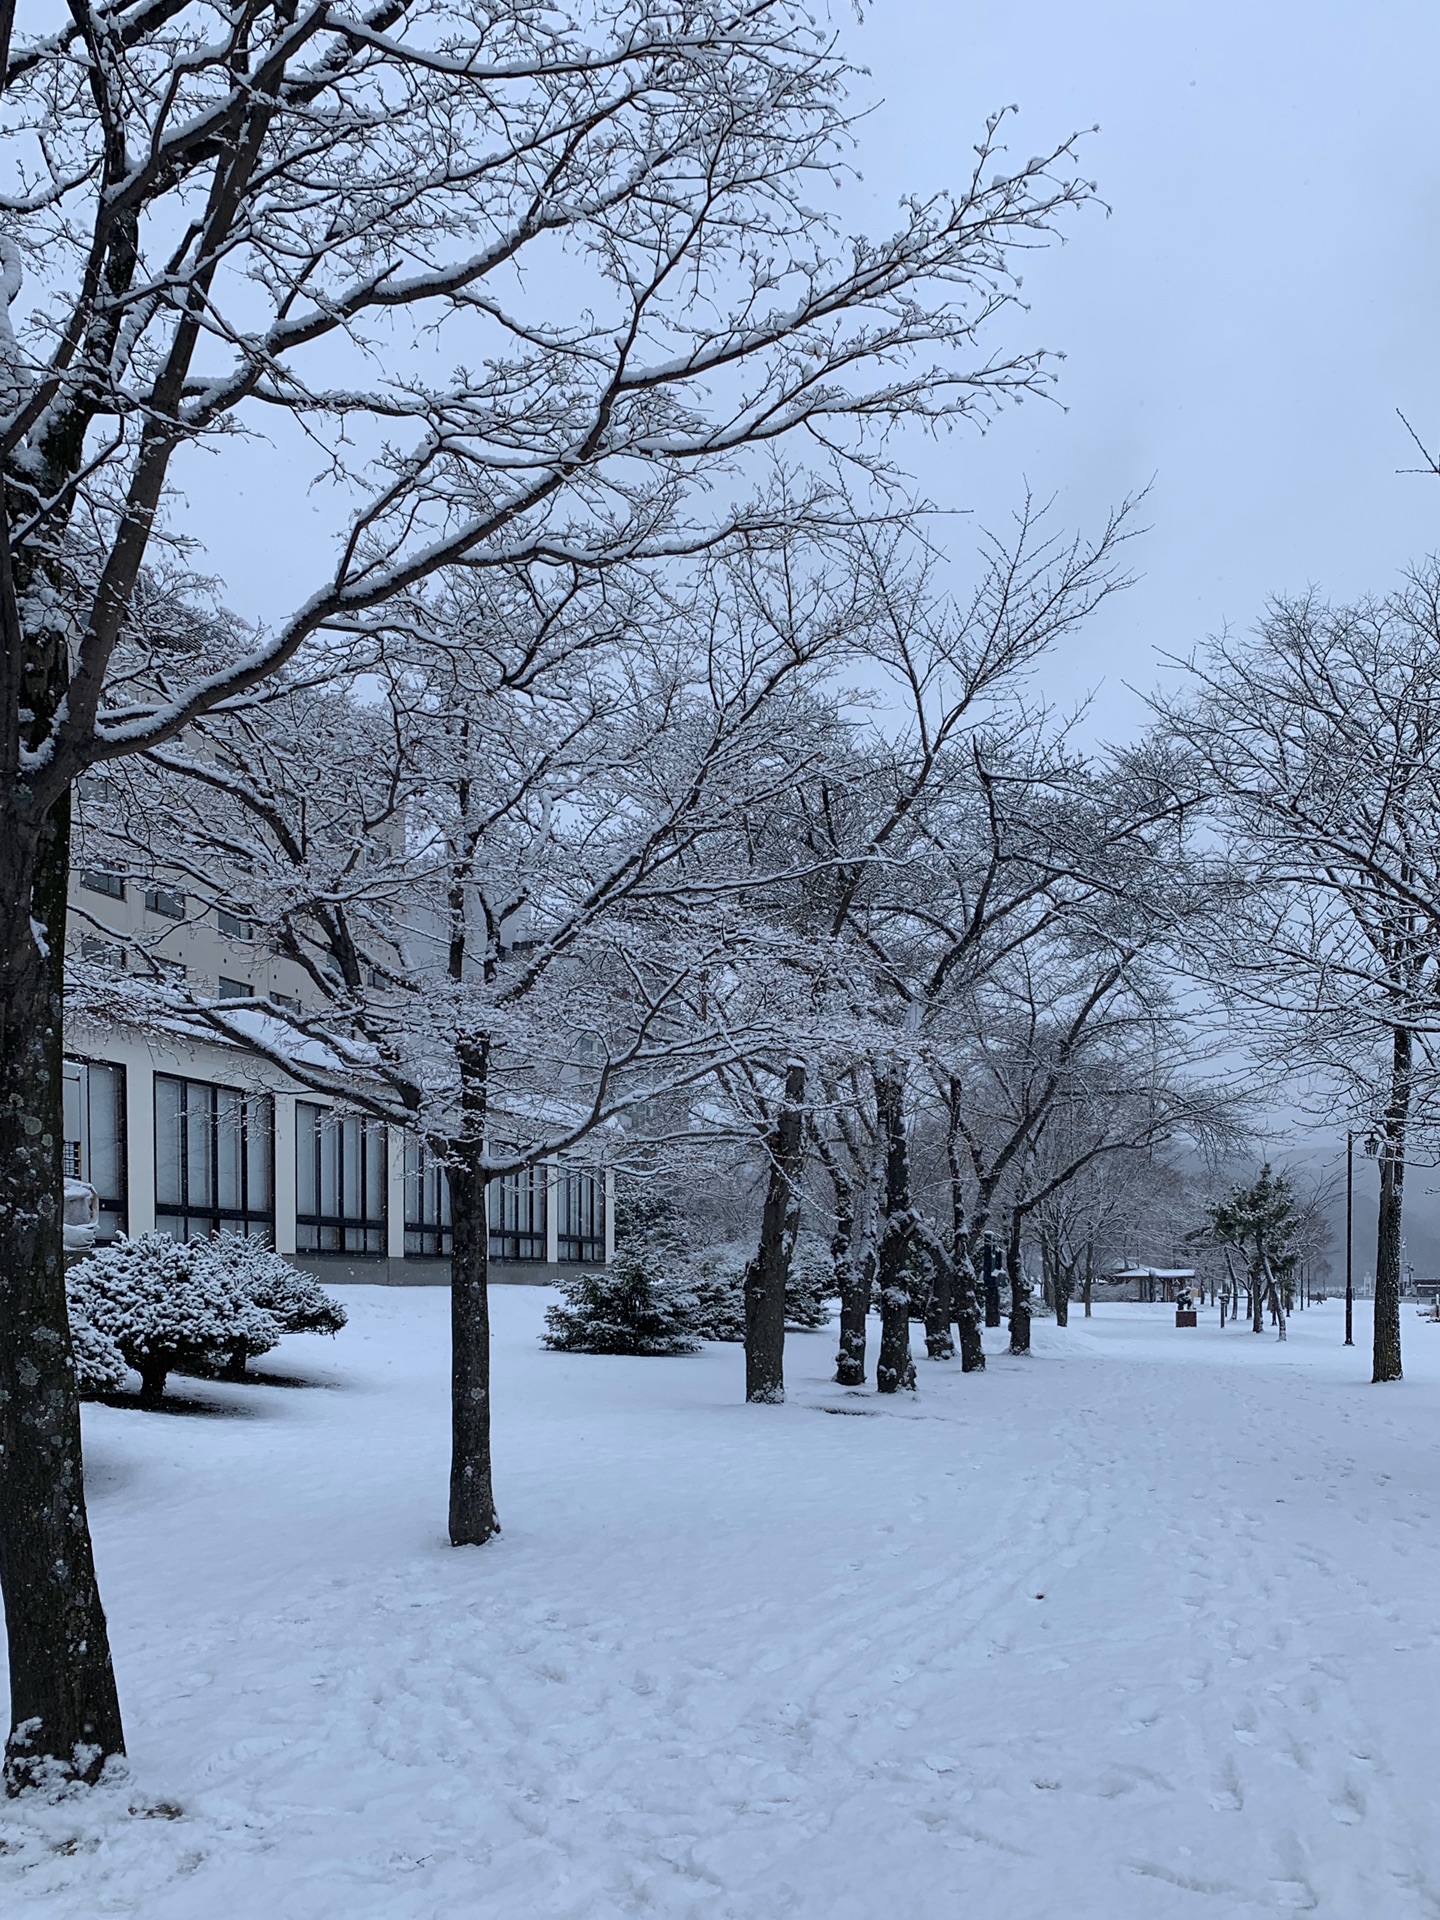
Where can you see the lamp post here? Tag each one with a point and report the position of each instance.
(1349, 1239)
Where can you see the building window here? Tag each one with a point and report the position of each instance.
(582, 1214)
(213, 1151)
(97, 880)
(232, 924)
(289, 1001)
(517, 1215)
(340, 1182)
(105, 953)
(95, 1136)
(165, 901)
(517, 1210)
(427, 1203)
(235, 989)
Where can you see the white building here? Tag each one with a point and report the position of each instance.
(190, 1136)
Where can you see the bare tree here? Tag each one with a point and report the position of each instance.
(300, 216)
(510, 882)
(1318, 743)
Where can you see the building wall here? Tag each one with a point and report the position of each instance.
(216, 960)
(143, 1057)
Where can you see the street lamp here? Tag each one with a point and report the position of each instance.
(1349, 1239)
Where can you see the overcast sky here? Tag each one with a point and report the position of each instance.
(1243, 325)
(1240, 329)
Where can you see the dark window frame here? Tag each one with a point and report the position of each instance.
(174, 911)
(101, 880)
(105, 953)
(371, 1231)
(581, 1241)
(520, 1200)
(428, 1231)
(517, 1211)
(239, 1219)
(118, 1203)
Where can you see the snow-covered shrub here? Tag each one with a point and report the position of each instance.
(99, 1364)
(716, 1284)
(641, 1303)
(165, 1304)
(624, 1309)
(716, 1281)
(295, 1300)
(811, 1285)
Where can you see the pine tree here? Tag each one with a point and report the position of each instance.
(1261, 1220)
(625, 1308)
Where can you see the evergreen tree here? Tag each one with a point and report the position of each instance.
(625, 1308)
(1261, 1221)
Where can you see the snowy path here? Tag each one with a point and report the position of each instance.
(1146, 1626)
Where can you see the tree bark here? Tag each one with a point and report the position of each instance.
(1019, 1293)
(854, 1265)
(1392, 1201)
(992, 1284)
(768, 1273)
(65, 1711)
(939, 1311)
(965, 1301)
(855, 1293)
(154, 1372)
(1089, 1278)
(1064, 1285)
(895, 1368)
(473, 1519)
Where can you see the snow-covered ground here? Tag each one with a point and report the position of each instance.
(1147, 1625)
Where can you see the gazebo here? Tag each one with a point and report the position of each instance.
(1151, 1283)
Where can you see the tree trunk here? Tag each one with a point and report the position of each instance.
(939, 1310)
(895, 1368)
(1019, 1293)
(854, 1310)
(850, 1265)
(154, 1372)
(1064, 1285)
(768, 1273)
(992, 1285)
(65, 1712)
(473, 1519)
(1089, 1278)
(966, 1301)
(1392, 1200)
